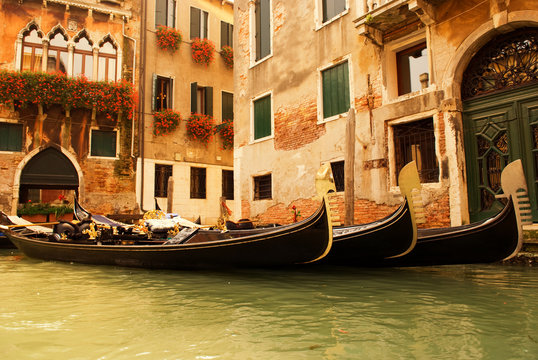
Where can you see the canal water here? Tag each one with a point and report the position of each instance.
(53, 310)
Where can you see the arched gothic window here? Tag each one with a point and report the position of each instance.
(32, 50)
(505, 62)
(57, 54)
(83, 57)
(107, 66)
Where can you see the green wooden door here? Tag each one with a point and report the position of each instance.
(498, 129)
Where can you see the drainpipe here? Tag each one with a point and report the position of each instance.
(141, 98)
(134, 73)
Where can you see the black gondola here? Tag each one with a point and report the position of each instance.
(495, 239)
(302, 242)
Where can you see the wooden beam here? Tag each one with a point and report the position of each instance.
(349, 169)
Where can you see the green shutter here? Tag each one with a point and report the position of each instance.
(103, 143)
(194, 100)
(335, 84)
(208, 100)
(227, 106)
(265, 29)
(195, 23)
(262, 117)
(160, 12)
(154, 93)
(10, 137)
(205, 33)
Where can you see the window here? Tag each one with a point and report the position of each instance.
(201, 99)
(162, 174)
(337, 169)
(165, 13)
(198, 180)
(57, 53)
(332, 8)
(227, 106)
(162, 93)
(262, 117)
(262, 187)
(416, 141)
(226, 34)
(10, 137)
(106, 70)
(228, 184)
(32, 50)
(83, 58)
(262, 13)
(103, 143)
(411, 64)
(335, 88)
(198, 24)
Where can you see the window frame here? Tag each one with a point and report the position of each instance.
(154, 101)
(201, 22)
(226, 40)
(321, 117)
(84, 54)
(254, 60)
(107, 58)
(167, 4)
(57, 51)
(227, 184)
(256, 187)
(162, 170)
(33, 47)
(339, 180)
(223, 103)
(253, 114)
(423, 46)
(12, 125)
(205, 95)
(196, 191)
(117, 145)
(319, 17)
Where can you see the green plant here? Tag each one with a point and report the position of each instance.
(44, 209)
(166, 121)
(226, 132)
(168, 38)
(227, 54)
(202, 51)
(200, 128)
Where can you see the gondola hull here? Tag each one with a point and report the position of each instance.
(302, 242)
(489, 241)
(363, 245)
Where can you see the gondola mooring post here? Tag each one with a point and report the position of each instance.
(349, 169)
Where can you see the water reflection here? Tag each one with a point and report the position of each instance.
(65, 311)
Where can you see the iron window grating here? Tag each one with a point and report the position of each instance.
(263, 187)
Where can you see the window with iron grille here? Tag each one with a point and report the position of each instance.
(162, 174)
(337, 168)
(10, 137)
(228, 184)
(198, 183)
(416, 141)
(262, 187)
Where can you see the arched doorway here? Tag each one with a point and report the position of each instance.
(46, 175)
(500, 117)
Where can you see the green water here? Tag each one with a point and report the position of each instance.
(53, 310)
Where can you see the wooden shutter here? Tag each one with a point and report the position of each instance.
(10, 137)
(208, 100)
(160, 12)
(195, 23)
(335, 90)
(170, 93)
(205, 15)
(262, 117)
(265, 28)
(227, 106)
(154, 92)
(194, 100)
(257, 36)
(171, 13)
(103, 143)
(223, 34)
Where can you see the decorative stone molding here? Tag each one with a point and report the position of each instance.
(92, 7)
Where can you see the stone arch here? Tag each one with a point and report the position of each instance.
(108, 37)
(58, 29)
(475, 41)
(27, 159)
(81, 34)
(32, 24)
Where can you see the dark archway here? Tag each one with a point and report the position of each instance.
(49, 170)
(500, 117)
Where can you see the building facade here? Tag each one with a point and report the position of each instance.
(177, 81)
(67, 114)
(450, 84)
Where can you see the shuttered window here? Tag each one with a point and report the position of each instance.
(10, 137)
(162, 93)
(227, 106)
(198, 183)
(262, 13)
(165, 13)
(201, 99)
(263, 187)
(262, 117)
(199, 19)
(335, 83)
(228, 184)
(331, 8)
(103, 143)
(226, 34)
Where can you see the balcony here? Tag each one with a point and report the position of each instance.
(385, 20)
